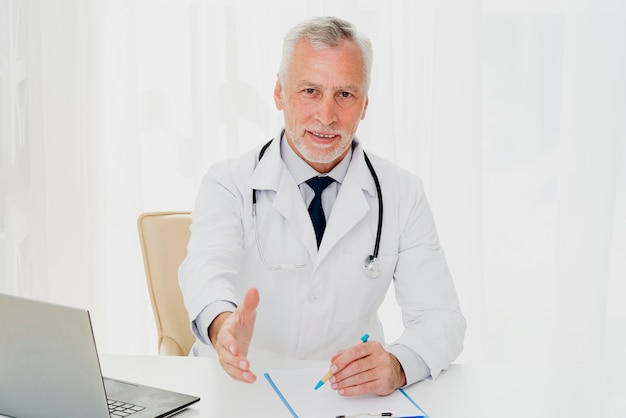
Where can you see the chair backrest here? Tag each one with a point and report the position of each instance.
(164, 237)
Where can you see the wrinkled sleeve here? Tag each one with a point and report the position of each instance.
(209, 274)
(425, 291)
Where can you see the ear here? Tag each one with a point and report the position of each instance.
(278, 94)
(367, 100)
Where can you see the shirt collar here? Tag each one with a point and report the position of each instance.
(301, 171)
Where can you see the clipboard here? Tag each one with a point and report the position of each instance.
(295, 388)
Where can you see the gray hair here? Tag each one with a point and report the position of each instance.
(326, 32)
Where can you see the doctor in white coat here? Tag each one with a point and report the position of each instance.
(255, 279)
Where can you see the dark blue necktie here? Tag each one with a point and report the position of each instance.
(318, 184)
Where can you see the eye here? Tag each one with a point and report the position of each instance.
(345, 94)
(309, 91)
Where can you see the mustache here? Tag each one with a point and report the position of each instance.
(326, 130)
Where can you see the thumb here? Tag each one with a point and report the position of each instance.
(251, 300)
(246, 318)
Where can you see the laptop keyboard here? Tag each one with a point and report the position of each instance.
(121, 409)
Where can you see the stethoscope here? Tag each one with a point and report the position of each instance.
(371, 264)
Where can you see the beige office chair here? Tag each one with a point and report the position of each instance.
(164, 237)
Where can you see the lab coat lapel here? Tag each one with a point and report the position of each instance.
(272, 174)
(290, 204)
(351, 205)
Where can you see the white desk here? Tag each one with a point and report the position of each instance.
(462, 391)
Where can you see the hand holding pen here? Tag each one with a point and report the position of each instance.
(365, 368)
(330, 373)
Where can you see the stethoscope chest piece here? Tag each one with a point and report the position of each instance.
(371, 267)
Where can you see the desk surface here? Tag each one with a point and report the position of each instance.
(461, 391)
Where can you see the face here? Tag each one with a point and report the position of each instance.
(323, 99)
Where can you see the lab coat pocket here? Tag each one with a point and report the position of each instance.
(359, 296)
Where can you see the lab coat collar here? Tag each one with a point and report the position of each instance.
(271, 174)
(269, 170)
(350, 206)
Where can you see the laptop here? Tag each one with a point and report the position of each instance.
(49, 368)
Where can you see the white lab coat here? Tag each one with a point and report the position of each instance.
(311, 312)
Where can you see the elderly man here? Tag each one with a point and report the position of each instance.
(291, 252)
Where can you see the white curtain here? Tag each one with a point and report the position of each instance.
(513, 112)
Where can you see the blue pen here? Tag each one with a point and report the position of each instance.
(327, 376)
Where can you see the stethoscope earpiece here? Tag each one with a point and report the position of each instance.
(371, 267)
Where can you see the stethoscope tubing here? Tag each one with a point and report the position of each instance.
(379, 194)
(371, 258)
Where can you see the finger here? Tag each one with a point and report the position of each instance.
(378, 380)
(246, 312)
(357, 384)
(358, 390)
(353, 373)
(335, 356)
(347, 358)
(230, 358)
(229, 353)
(251, 300)
(380, 387)
(227, 341)
(239, 373)
(236, 366)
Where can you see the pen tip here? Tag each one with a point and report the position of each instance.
(319, 385)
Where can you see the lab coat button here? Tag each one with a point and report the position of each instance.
(312, 298)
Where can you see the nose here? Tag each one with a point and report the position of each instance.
(327, 110)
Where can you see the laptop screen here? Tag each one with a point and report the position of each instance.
(49, 367)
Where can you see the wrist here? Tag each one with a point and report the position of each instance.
(399, 371)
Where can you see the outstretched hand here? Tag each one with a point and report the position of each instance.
(231, 333)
